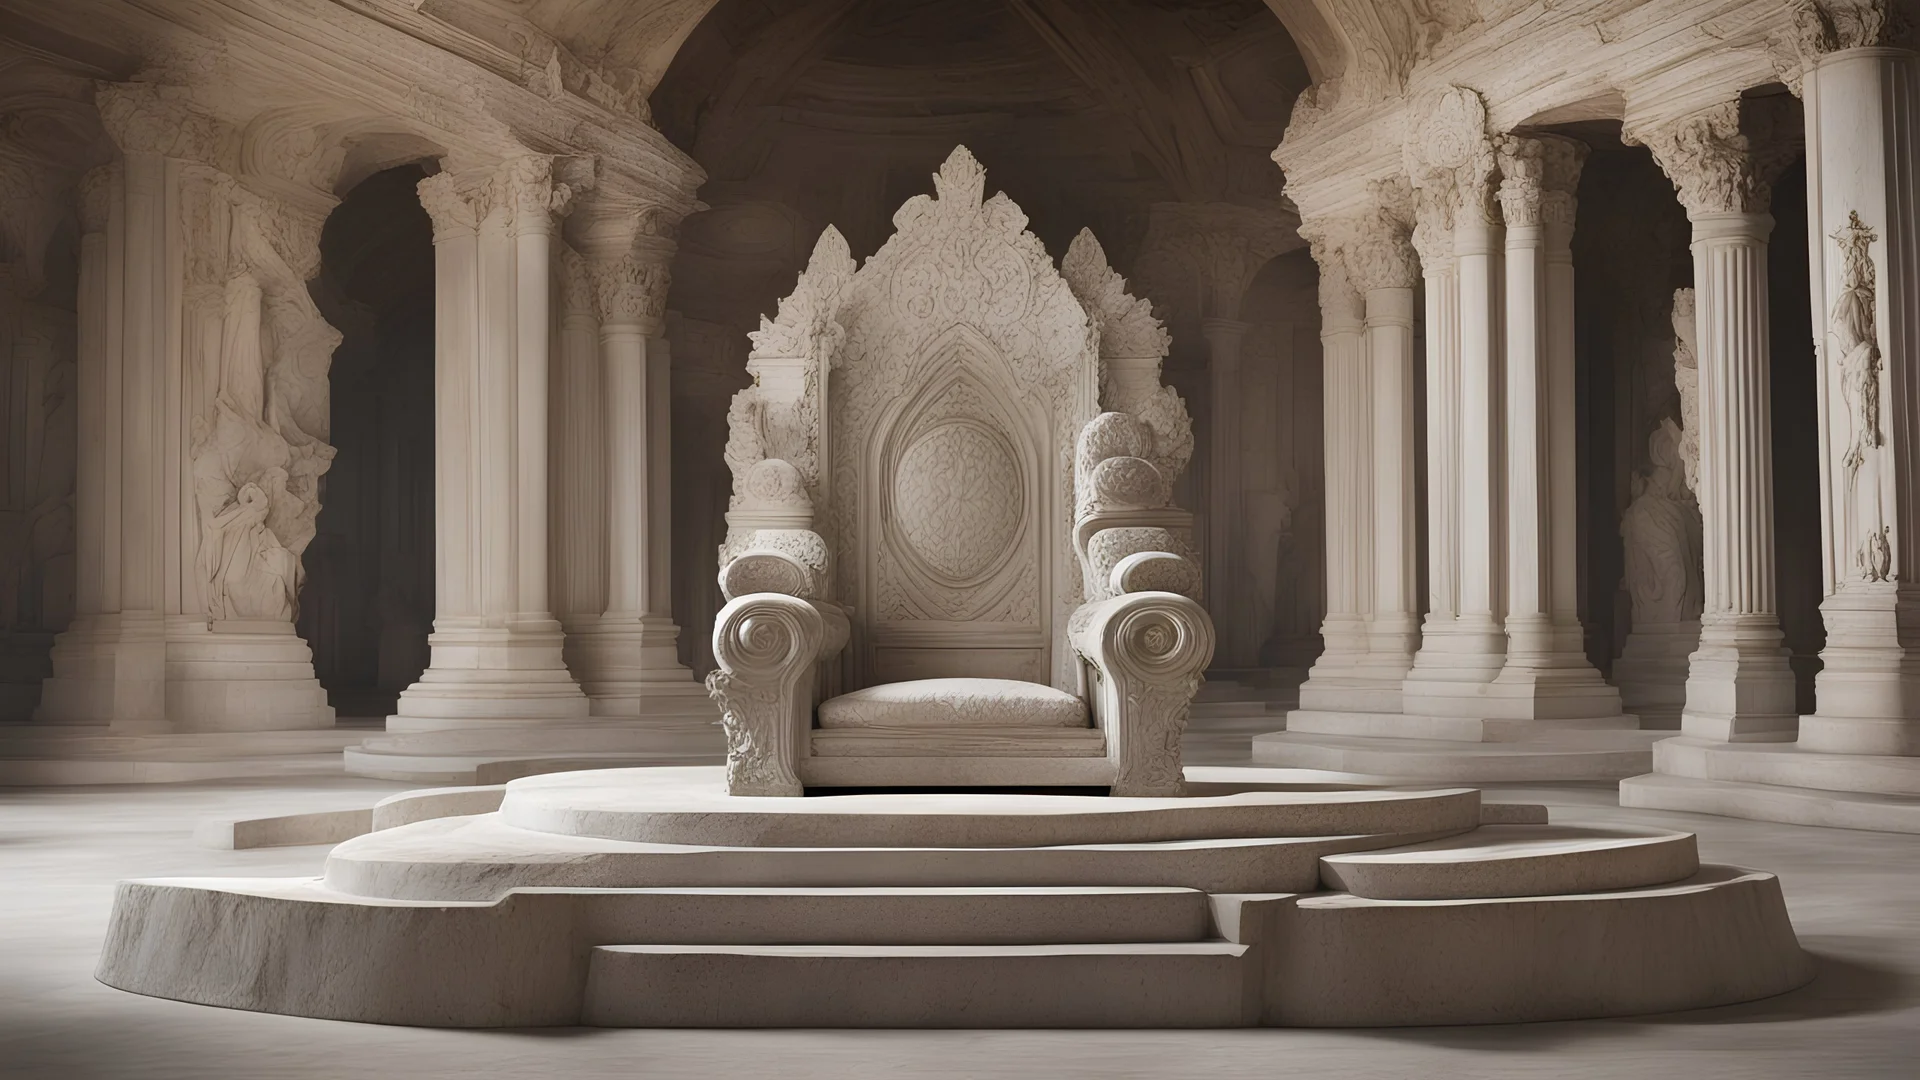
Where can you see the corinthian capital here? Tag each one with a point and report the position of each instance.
(532, 193)
(1331, 242)
(1522, 180)
(1450, 159)
(1824, 26)
(152, 118)
(1717, 166)
(455, 207)
(630, 289)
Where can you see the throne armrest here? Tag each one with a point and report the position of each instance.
(1147, 650)
(768, 647)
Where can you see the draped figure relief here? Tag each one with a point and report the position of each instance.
(259, 349)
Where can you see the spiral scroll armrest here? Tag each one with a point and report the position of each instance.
(1147, 650)
(767, 647)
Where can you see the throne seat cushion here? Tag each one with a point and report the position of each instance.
(955, 703)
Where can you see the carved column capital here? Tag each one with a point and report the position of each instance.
(1331, 241)
(1826, 26)
(631, 289)
(532, 190)
(1522, 181)
(455, 207)
(1715, 165)
(159, 119)
(1450, 159)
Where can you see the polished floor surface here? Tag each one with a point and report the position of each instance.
(1855, 899)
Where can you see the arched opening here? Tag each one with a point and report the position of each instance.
(807, 113)
(1282, 479)
(369, 599)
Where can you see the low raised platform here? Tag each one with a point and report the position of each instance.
(1277, 907)
(1780, 782)
(50, 755)
(495, 754)
(1457, 750)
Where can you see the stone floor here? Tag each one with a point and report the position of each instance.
(1855, 899)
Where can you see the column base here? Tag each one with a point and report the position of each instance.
(1868, 688)
(629, 667)
(243, 675)
(110, 672)
(1740, 687)
(1458, 657)
(491, 677)
(1780, 782)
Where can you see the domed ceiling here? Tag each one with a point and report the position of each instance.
(811, 112)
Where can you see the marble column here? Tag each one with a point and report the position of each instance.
(1339, 680)
(1461, 244)
(496, 647)
(1388, 269)
(1546, 675)
(627, 658)
(109, 667)
(1224, 339)
(1862, 98)
(1739, 687)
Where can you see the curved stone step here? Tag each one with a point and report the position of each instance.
(690, 806)
(1145, 985)
(478, 858)
(1516, 860)
(1591, 755)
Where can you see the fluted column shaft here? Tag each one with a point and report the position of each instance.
(496, 646)
(1862, 112)
(1225, 503)
(1738, 684)
(1394, 634)
(627, 658)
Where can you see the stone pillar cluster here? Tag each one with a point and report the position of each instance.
(1491, 230)
(202, 435)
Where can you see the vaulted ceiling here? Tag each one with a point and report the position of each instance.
(810, 112)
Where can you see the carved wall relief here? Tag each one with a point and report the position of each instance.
(1856, 353)
(258, 353)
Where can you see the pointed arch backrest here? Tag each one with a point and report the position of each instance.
(966, 371)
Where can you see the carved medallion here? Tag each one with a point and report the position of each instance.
(959, 499)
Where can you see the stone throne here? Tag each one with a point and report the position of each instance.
(945, 564)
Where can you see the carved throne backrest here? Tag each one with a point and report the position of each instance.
(915, 446)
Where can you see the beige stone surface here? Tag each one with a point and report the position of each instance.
(1847, 891)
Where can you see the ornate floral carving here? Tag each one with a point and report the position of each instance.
(1856, 353)
(1450, 158)
(159, 119)
(959, 499)
(1824, 26)
(1380, 254)
(1132, 345)
(454, 207)
(525, 185)
(630, 289)
(1715, 167)
(1522, 180)
(1147, 650)
(1126, 323)
(766, 646)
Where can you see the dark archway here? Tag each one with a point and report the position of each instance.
(368, 602)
